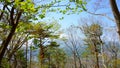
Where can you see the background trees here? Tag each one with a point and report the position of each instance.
(74, 46)
(24, 35)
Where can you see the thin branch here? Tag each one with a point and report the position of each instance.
(23, 41)
(11, 16)
(2, 11)
(101, 15)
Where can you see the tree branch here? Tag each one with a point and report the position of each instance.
(116, 14)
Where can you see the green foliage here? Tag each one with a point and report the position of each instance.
(23, 27)
(92, 30)
(93, 33)
(86, 54)
(45, 30)
(42, 16)
(53, 44)
(4, 30)
(57, 56)
(26, 6)
(21, 57)
(33, 48)
(5, 63)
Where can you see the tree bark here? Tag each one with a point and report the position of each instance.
(30, 58)
(8, 39)
(41, 55)
(5, 45)
(116, 14)
(115, 61)
(26, 52)
(96, 56)
(75, 64)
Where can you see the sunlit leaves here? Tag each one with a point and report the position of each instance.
(54, 44)
(92, 40)
(42, 16)
(24, 27)
(26, 6)
(4, 30)
(95, 28)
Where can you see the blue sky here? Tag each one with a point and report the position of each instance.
(95, 6)
(103, 7)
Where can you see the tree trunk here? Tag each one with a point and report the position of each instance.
(30, 58)
(115, 62)
(41, 53)
(97, 60)
(5, 45)
(96, 56)
(26, 52)
(15, 62)
(102, 54)
(116, 14)
(79, 59)
(75, 64)
(41, 56)
(8, 39)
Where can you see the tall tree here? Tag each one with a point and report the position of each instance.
(15, 11)
(93, 33)
(43, 34)
(11, 15)
(74, 45)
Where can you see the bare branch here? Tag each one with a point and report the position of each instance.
(101, 15)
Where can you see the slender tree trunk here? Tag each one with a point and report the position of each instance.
(5, 45)
(103, 60)
(8, 39)
(15, 62)
(86, 66)
(26, 52)
(79, 59)
(96, 56)
(97, 60)
(75, 64)
(115, 63)
(30, 57)
(102, 53)
(41, 56)
(49, 61)
(116, 14)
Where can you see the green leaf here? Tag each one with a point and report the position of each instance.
(35, 41)
(33, 48)
(42, 16)
(61, 18)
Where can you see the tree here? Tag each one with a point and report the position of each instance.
(17, 41)
(11, 15)
(113, 48)
(73, 43)
(93, 33)
(56, 56)
(15, 11)
(115, 11)
(43, 34)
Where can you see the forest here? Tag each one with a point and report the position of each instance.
(39, 33)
